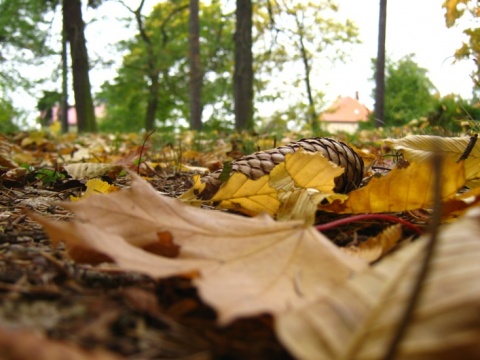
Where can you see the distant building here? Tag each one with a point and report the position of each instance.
(55, 114)
(344, 115)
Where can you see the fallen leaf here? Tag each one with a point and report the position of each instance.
(419, 148)
(246, 265)
(249, 196)
(358, 319)
(91, 170)
(96, 186)
(401, 190)
(280, 191)
(375, 247)
(308, 170)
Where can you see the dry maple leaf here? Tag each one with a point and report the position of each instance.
(359, 318)
(246, 266)
(419, 148)
(402, 189)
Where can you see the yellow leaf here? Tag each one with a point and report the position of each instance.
(249, 196)
(375, 247)
(419, 148)
(247, 266)
(190, 196)
(96, 186)
(311, 170)
(402, 189)
(359, 318)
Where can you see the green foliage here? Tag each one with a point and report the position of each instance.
(24, 29)
(468, 10)
(452, 113)
(409, 93)
(45, 104)
(167, 26)
(7, 116)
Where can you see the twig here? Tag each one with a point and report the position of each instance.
(361, 217)
(143, 148)
(425, 265)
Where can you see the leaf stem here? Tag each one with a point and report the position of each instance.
(354, 218)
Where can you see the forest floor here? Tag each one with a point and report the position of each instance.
(54, 308)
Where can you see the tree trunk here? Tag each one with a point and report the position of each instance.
(379, 111)
(152, 102)
(312, 113)
(243, 74)
(74, 26)
(64, 103)
(195, 68)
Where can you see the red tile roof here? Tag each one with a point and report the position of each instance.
(345, 109)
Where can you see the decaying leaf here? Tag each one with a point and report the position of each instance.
(419, 148)
(375, 247)
(402, 189)
(358, 320)
(91, 170)
(246, 266)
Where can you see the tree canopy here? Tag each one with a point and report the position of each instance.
(168, 30)
(409, 93)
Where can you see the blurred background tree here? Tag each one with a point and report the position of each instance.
(467, 11)
(164, 58)
(409, 93)
(300, 37)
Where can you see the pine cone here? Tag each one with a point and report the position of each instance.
(261, 163)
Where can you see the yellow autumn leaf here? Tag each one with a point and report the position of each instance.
(249, 196)
(375, 247)
(402, 189)
(96, 186)
(308, 170)
(190, 196)
(419, 148)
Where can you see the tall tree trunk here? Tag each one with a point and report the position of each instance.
(74, 27)
(64, 103)
(243, 74)
(379, 111)
(312, 113)
(195, 68)
(152, 101)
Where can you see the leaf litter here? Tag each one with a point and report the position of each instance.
(263, 269)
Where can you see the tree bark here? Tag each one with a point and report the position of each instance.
(74, 28)
(243, 74)
(312, 113)
(64, 103)
(379, 111)
(195, 68)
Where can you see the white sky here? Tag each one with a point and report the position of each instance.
(413, 26)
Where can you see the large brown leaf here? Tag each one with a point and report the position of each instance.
(246, 265)
(358, 320)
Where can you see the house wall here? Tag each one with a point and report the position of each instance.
(334, 127)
